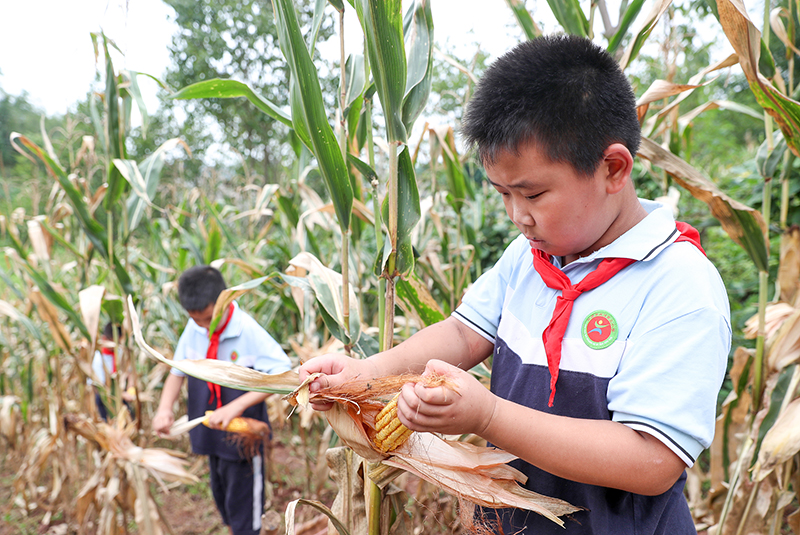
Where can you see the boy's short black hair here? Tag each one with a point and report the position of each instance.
(562, 93)
(199, 286)
(108, 331)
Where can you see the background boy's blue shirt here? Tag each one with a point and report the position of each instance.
(244, 342)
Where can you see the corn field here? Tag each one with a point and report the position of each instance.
(376, 230)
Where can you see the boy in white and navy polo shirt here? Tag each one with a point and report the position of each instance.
(608, 328)
(237, 481)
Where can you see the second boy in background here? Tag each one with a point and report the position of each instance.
(236, 480)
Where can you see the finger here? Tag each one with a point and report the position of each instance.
(436, 395)
(320, 383)
(321, 405)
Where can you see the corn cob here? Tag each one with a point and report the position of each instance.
(237, 425)
(390, 432)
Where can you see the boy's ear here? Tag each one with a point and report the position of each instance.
(617, 167)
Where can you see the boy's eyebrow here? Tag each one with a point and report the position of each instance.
(519, 185)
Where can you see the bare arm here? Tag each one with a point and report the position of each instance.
(449, 340)
(164, 417)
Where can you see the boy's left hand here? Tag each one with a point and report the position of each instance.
(220, 418)
(466, 408)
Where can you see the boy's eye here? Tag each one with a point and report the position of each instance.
(531, 197)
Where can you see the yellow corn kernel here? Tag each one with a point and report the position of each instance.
(391, 433)
(237, 425)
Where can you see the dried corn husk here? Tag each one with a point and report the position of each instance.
(477, 474)
(774, 316)
(163, 465)
(781, 442)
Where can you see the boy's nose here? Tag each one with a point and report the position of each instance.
(520, 215)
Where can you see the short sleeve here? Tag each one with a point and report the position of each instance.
(674, 362)
(180, 351)
(271, 357)
(482, 305)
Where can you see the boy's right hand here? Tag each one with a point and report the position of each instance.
(337, 369)
(162, 422)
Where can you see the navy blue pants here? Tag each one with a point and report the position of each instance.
(238, 490)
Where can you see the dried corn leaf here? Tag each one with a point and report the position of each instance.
(784, 349)
(91, 301)
(219, 372)
(774, 316)
(789, 268)
(781, 442)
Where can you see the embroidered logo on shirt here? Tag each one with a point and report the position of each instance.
(599, 329)
(234, 356)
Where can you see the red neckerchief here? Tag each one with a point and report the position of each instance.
(213, 347)
(556, 279)
(109, 351)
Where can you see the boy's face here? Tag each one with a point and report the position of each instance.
(202, 317)
(560, 211)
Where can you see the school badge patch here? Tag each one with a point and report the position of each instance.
(599, 329)
(234, 356)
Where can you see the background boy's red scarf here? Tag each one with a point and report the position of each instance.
(109, 351)
(556, 279)
(213, 347)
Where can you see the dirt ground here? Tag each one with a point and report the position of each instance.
(189, 508)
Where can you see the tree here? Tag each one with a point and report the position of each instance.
(236, 39)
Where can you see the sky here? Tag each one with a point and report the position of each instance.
(46, 49)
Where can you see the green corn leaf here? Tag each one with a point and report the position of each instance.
(408, 211)
(308, 109)
(224, 227)
(624, 24)
(316, 24)
(116, 135)
(416, 296)
(457, 188)
(136, 93)
(768, 161)
(355, 80)
(743, 224)
(50, 293)
(569, 15)
(8, 310)
(337, 4)
(382, 23)
(150, 172)
(97, 122)
(418, 35)
(641, 35)
(94, 230)
(366, 171)
(524, 19)
(219, 88)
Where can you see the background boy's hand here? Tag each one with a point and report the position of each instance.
(220, 418)
(162, 421)
(338, 368)
(467, 408)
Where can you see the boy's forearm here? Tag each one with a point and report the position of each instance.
(449, 340)
(170, 392)
(247, 400)
(596, 452)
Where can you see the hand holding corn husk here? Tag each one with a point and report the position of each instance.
(360, 412)
(458, 406)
